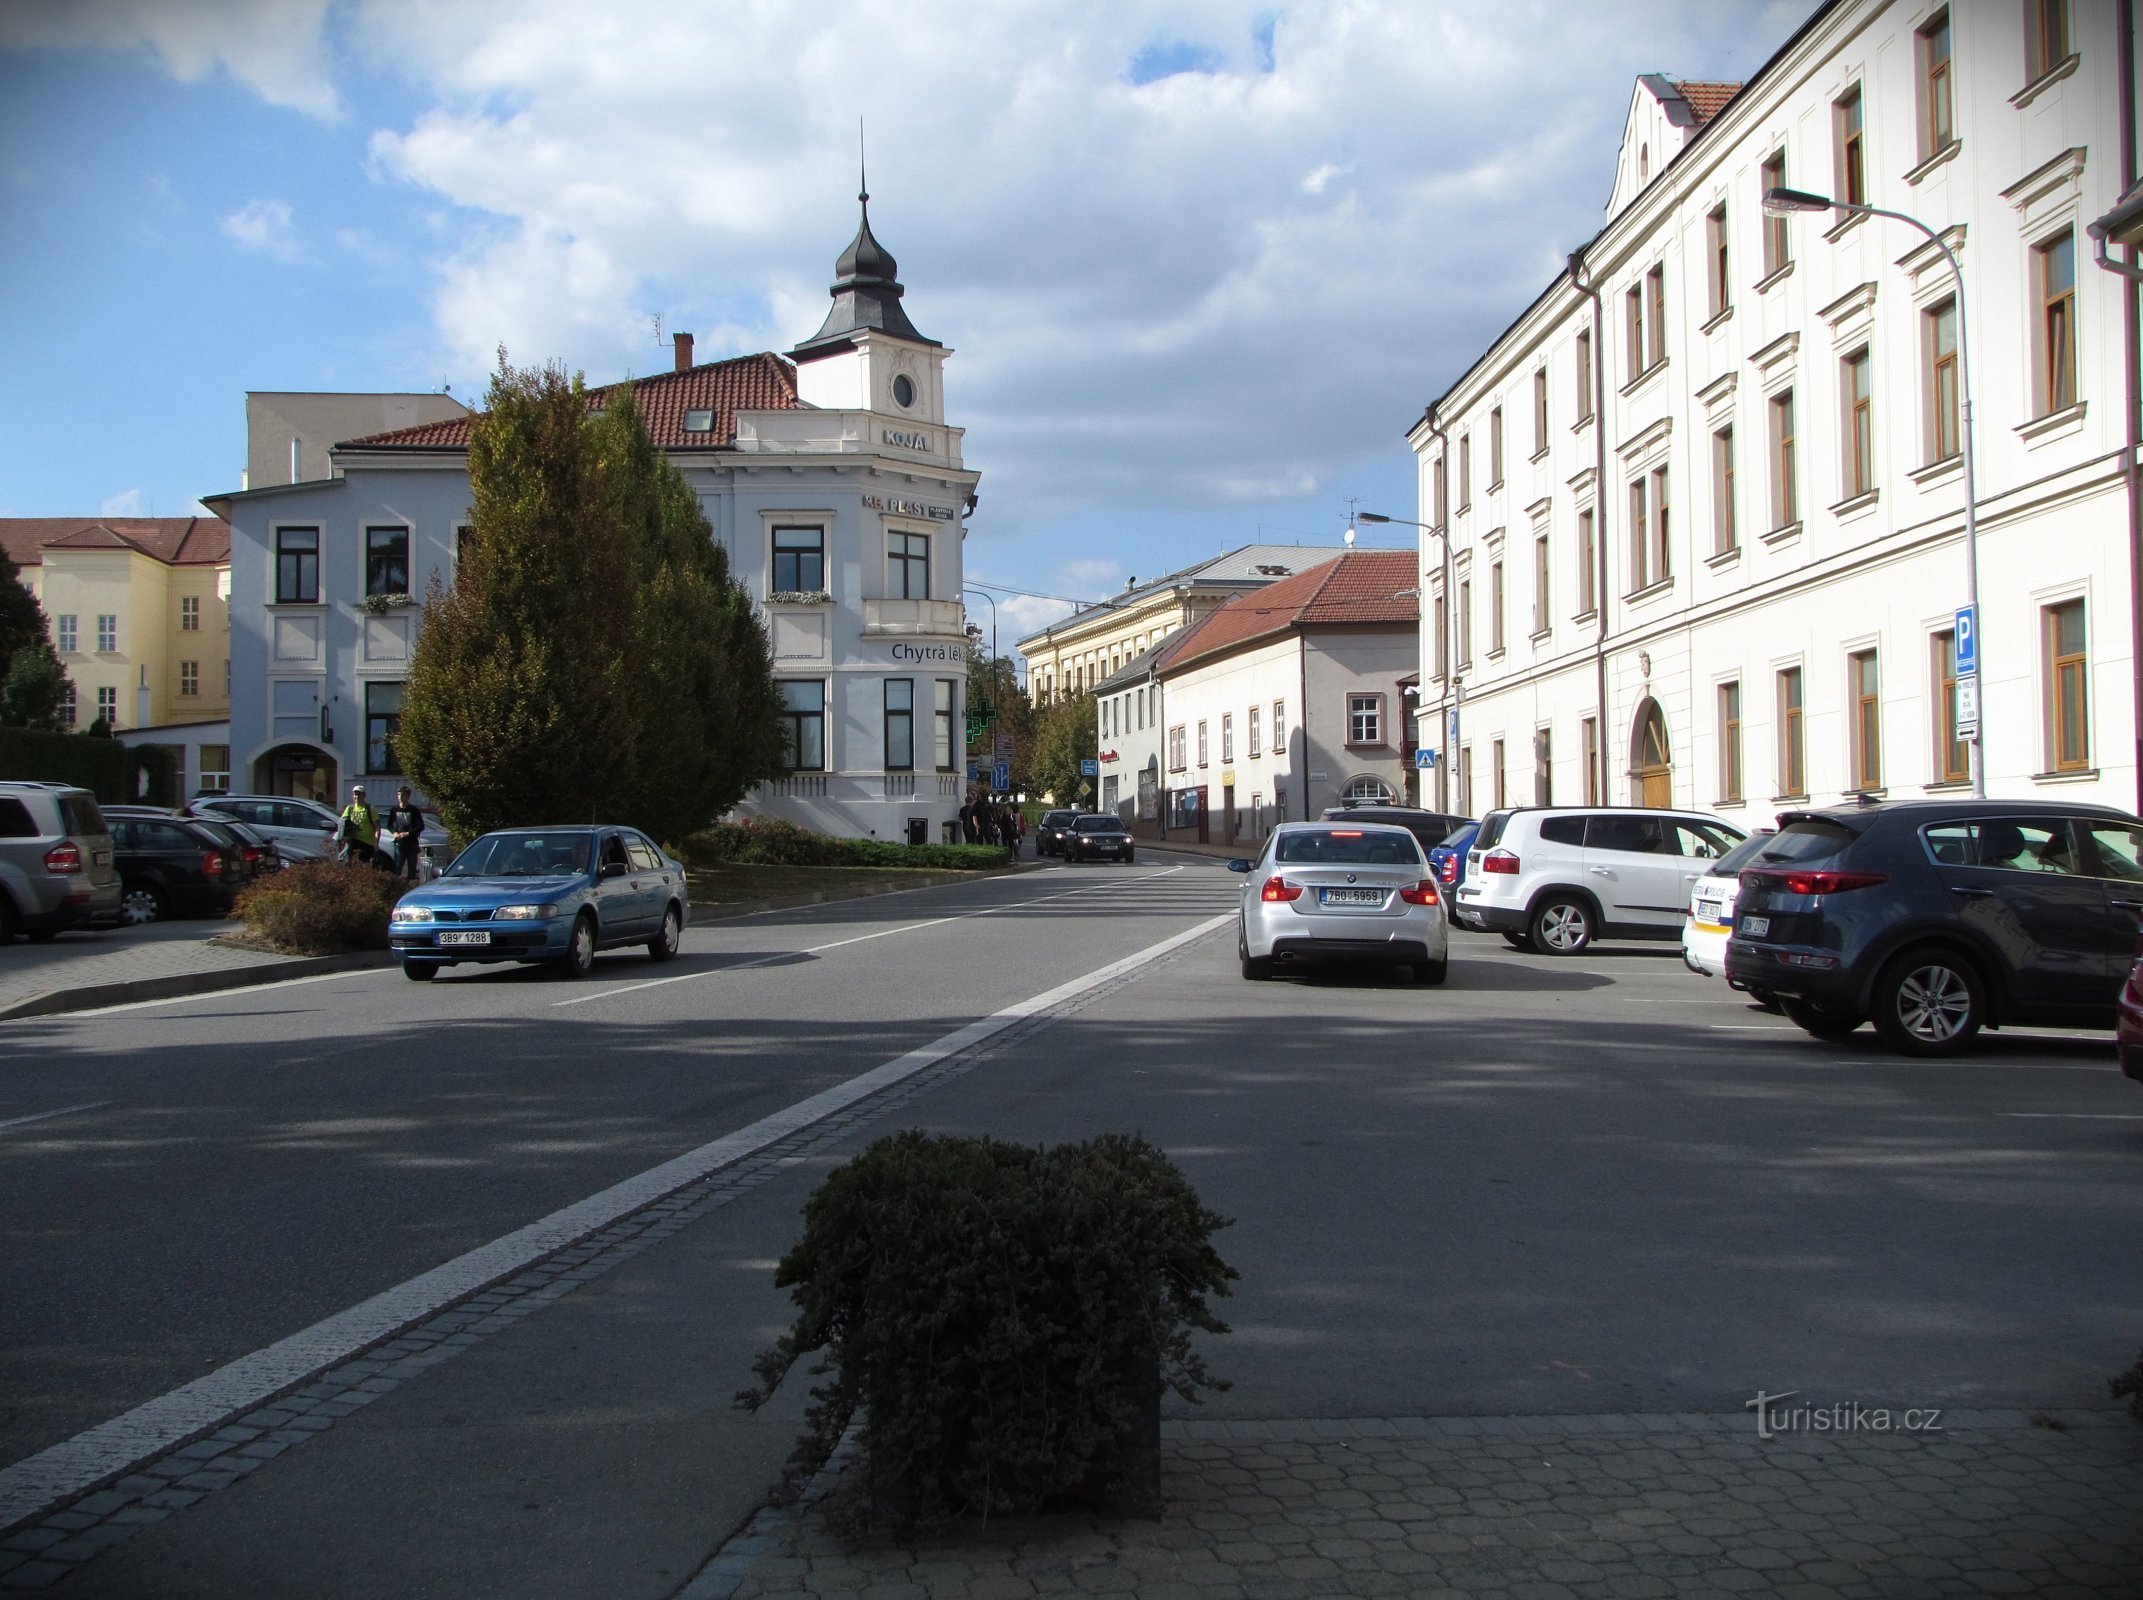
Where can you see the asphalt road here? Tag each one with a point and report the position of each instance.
(1592, 1185)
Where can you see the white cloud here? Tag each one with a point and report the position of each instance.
(275, 47)
(127, 503)
(264, 225)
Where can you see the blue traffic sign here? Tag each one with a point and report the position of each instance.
(1090, 769)
(1967, 641)
(1003, 776)
(1425, 758)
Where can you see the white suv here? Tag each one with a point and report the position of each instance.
(1554, 879)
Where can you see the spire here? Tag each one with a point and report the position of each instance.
(866, 290)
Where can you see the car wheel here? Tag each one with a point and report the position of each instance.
(1820, 1021)
(1517, 940)
(140, 903)
(579, 959)
(1431, 973)
(1562, 926)
(1929, 1003)
(1255, 968)
(663, 947)
(420, 971)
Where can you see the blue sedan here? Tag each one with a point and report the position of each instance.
(543, 894)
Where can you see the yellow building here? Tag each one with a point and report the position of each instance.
(139, 610)
(1094, 642)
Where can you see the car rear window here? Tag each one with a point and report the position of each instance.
(1350, 847)
(1741, 855)
(1563, 830)
(1807, 839)
(15, 820)
(1492, 827)
(79, 814)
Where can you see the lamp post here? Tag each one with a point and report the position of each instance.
(1786, 202)
(1446, 735)
(964, 593)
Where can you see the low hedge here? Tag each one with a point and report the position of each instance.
(115, 773)
(771, 842)
(321, 908)
(1004, 1317)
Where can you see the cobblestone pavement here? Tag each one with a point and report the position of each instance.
(1535, 1508)
(84, 957)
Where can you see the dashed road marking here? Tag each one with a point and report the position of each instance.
(64, 1111)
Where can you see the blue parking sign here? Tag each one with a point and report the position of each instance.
(1967, 641)
(1003, 777)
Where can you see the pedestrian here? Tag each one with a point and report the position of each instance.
(405, 826)
(1007, 834)
(967, 820)
(359, 831)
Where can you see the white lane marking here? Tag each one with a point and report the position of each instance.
(1750, 1027)
(37, 1482)
(2066, 1116)
(862, 938)
(64, 1111)
(212, 994)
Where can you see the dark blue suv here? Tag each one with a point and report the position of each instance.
(1935, 918)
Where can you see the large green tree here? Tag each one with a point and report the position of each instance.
(995, 699)
(1065, 734)
(32, 683)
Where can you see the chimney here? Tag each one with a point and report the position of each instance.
(683, 341)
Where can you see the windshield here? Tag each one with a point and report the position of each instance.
(1350, 847)
(1097, 825)
(523, 855)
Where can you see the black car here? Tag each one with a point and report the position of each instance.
(1431, 828)
(1935, 918)
(257, 854)
(1050, 833)
(173, 866)
(1097, 839)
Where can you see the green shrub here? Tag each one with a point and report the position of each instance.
(983, 1304)
(321, 908)
(771, 842)
(104, 767)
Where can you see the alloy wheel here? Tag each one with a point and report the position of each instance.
(1934, 1004)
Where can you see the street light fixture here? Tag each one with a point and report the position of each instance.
(1448, 732)
(1787, 202)
(993, 617)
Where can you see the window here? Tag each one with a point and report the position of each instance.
(699, 422)
(1365, 719)
(1227, 737)
(1725, 530)
(215, 769)
(2046, 37)
(108, 706)
(189, 677)
(2054, 272)
(1792, 737)
(1465, 470)
(1848, 122)
(1279, 727)
(1587, 564)
(1730, 742)
(900, 724)
(1648, 530)
(386, 565)
(803, 721)
(1540, 411)
(108, 632)
(1368, 790)
(1716, 260)
(383, 721)
(1543, 767)
(1655, 315)
(1953, 756)
(1495, 757)
(297, 566)
(1441, 612)
(1785, 490)
(1588, 739)
(1938, 117)
(1495, 609)
(1495, 447)
(1443, 504)
(63, 626)
(944, 707)
(1863, 681)
(1859, 441)
(1584, 375)
(1176, 762)
(1778, 240)
(189, 613)
(1543, 616)
(799, 560)
(70, 708)
(1255, 718)
(1465, 779)
(2068, 694)
(1942, 391)
(1633, 323)
(1202, 744)
(908, 575)
(1465, 624)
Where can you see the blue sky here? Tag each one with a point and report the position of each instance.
(1201, 263)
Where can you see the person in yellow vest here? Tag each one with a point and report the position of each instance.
(359, 833)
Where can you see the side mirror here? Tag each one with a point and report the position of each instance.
(1239, 864)
(615, 869)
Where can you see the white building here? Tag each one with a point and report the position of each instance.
(1704, 500)
(830, 478)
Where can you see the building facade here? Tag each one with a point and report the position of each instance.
(1699, 513)
(831, 479)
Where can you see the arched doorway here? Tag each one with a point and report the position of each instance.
(1651, 758)
(304, 771)
(1368, 790)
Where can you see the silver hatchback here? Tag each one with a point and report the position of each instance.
(1323, 891)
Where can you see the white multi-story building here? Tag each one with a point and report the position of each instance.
(832, 481)
(1702, 506)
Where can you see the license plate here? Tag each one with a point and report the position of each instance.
(1707, 911)
(1350, 897)
(1755, 927)
(101, 858)
(465, 938)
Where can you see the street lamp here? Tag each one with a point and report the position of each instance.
(1447, 735)
(964, 593)
(1786, 202)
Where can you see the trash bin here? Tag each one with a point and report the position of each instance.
(918, 830)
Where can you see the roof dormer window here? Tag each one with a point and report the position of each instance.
(903, 390)
(699, 422)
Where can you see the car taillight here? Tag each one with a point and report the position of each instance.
(1422, 894)
(252, 854)
(1280, 889)
(212, 863)
(1826, 882)
(1499, 861)
(64, 858)
(1447, 869)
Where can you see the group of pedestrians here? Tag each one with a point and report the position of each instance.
(362, 826)
(984, 823)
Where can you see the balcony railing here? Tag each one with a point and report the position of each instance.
(921, 619)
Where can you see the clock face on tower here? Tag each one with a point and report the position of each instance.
(903, 390)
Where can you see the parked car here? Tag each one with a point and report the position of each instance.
(1711, 908)
(56, 866)
(1049, 834)
(1447, 860)
(1555, 878)
(1935, 918)
(543, 894)
(174, 866)
(2128, 1028)
(303, 830)
(256, 854)
(1320, 891)
(1429, 828)
(1097, 837)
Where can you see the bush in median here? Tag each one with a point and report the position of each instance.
(1004, 1316)
(771, 842)
(321, 908)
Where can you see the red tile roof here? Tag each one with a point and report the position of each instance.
(761, 382)
(1707, 100)
(1360, 588)
(178, 541)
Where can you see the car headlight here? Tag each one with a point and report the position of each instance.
(413, 914)
(542, 913)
